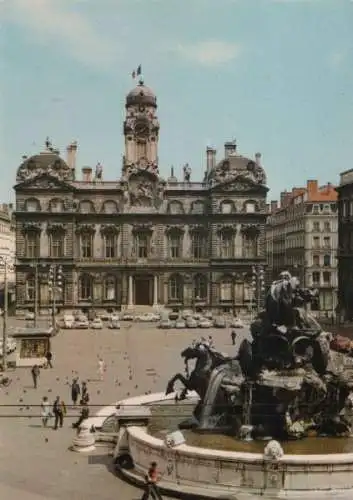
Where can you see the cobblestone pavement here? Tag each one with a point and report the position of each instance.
(35, 463)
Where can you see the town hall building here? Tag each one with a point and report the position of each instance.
(139, 240)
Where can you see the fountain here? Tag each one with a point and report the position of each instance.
(284, 386)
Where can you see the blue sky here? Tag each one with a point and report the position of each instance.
(276, 75)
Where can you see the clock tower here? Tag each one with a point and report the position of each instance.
(141, 129)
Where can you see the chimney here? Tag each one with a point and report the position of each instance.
(87, 174)
(71, 151)
(285, 197)
(258, 158)
(274, 206)
(210, 159)
(312, 186)
(230, 148)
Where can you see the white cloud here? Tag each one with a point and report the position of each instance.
(53, 21)
(210, 53)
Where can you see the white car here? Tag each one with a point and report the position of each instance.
(127, 317)
(219, 322)
(237, 323)
(166, 324)
(96, 324)
(82, 323)
(114, 317)
(69, 321)
(191, 323)
(205, 323)
(180, 323)
(114, 325)
(147, 317)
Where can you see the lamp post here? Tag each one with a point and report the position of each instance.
(55, 281)
(6, 266)
(35, 265)
(257, 286)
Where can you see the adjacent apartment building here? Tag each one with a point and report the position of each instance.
(302, 237)
(345, 245)
(7, 243)
(139, 239)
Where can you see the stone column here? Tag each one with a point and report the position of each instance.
(130, 301)
(155, 291)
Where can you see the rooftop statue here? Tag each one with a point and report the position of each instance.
(284, 383)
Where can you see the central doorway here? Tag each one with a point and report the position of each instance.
(143, 290)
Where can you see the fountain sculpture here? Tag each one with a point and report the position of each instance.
(286, 383)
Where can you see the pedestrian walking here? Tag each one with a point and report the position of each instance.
(151, 488)
(59, 411)
(75, 391)
(84, 416)
(84, 394)
(49, 358)
(35, 374)
(233, 336)
(101, 368)
(45, 411)
(210, 341)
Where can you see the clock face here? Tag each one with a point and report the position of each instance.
(142, 128)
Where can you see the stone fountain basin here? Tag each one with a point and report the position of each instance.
(237, 475)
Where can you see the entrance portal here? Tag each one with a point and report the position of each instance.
(143, 290)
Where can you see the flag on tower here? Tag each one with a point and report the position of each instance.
(137, 72)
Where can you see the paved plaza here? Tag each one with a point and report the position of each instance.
(35, 463)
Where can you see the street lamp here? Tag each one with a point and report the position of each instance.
(6, 266)
(257, 286)
(55, 283)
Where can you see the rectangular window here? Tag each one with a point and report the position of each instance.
(142, 245)
(226, 291)
(327, 242)
(326, 276)
(86, 246)
(327, 260)
(109, 246)
(249, 246)
(174, 246)
(316, 260)
(316, 278)
(32, 245)
(316, 226)
(226, 242)
(199, 248)
(316, 242)
(56, 245)
(327, 226)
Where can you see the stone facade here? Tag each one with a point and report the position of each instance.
(7, 243)
(301, 237)
(139, 240)
(345, 245)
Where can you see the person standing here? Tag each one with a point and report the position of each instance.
(233, 336)
(49, 358)
(151, 488)
(45, 411)
(101, 368)
(75, 391)
(84, 395)
(59, 411)
(35, 374)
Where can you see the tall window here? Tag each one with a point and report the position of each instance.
(110, 288)
(316, 226)
(198, 208)
(226, 245)
(32, 244)
(56, 244)
(249, 245)
(30, 288)
(110, 246)
(86, 246)
(327, 260)
(141, 241)
(175, 288)
(141, 149)
(199, 245)
(86, 288)
(200, 287)
(316, 242)
(326, 278)
(174, 243)
(316, 278)
(56, 205)
(316, 260)
(226, 289)
(327, 242)
(32, 205)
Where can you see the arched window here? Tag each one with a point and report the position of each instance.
(226, 288)
(200, 287)
(175, 288)
(110, 288)
(227, 207)
(56, 205)
(110, 207)
(86, 207)
(86, 287)
(175, 207)
(198, 208)
(30, 288)
(32, 205)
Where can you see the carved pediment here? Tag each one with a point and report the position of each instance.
(251, 228)
(56, 227)
(86, 228)
(109, 229)
(32, 226)
(44, 182)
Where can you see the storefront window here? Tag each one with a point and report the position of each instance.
(34, 348)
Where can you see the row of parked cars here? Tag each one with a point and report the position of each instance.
(10, 346)
(190, 320)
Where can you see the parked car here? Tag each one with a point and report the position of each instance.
(180, 323)
(114, 317)
(166, 324)
(173, 315)
(82, 323)
(96, 324)
(237, 323)
(147, 317)
(104, 316)
(219, 322)
(191, 323)
(127, 317)
(205, 323)
(208, 314)
(114, 325)
(187, 314)
(68, 321)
